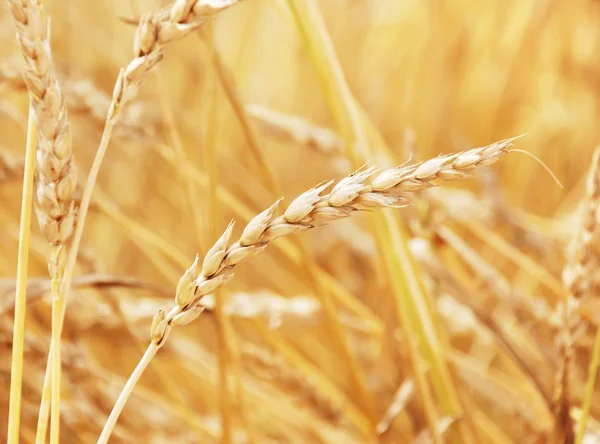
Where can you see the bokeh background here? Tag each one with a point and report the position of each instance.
(433, 77)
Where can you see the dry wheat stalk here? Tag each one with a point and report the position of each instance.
(297, 129)
(310, 209)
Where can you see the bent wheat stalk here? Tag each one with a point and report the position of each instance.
(18, 349)
(55, 169)
(153, 33)
(389, 188)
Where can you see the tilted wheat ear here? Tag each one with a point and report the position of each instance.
(313, 208)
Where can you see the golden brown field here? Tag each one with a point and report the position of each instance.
(442, 293)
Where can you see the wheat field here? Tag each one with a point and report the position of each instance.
(413, 188)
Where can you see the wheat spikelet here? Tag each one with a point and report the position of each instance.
(154, 31)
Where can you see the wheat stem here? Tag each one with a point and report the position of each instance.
(42, 424)
(126, 393)
(16, 370)
(56, 362)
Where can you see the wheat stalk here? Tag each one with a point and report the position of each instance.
(312, 208)
(55, 170)
(18, 341)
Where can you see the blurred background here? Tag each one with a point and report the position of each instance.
(433, 77)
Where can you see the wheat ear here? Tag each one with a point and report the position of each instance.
(153, 33)
(579, 278)
(311, 209)
(55, 170)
